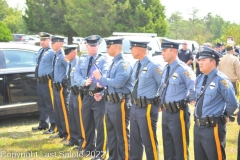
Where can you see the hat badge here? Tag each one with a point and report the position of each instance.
(41, 34)
(63, 48)
(93, 37)
(201, 49)
(160, 40)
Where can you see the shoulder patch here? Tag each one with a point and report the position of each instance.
(65, 59)
(186, 73)
(158, 70)
(125, 65)
(225, 83)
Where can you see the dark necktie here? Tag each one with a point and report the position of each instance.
(89, 66)
(54, 60)
(69, 71)
(134, 93)
(200, 101)
(39, 59)
(165, 86)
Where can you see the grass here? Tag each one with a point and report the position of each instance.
(17, 140)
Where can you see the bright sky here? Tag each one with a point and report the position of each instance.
(229, 10)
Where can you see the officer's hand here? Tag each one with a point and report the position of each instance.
(159, 109)
(99, 86)
(88, 82)
(97, 96)
(192, 103)
(96, 74)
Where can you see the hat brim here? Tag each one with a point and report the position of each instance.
(93, 44)
(43, 38)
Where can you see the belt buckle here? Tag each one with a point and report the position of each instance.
(198, 122)
(90, 93)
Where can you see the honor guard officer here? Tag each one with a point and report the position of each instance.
(92, 112)
(215, 97)
(117, 100)
(177, 88)
(217, 47)
(44, 84)
(60, 87)
(75, 99)
(144, 112)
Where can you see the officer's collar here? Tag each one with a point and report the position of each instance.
(58, 52)
(144, 60)
(47, 48)
(118, 56)
(214, 71)
(172, 65)
(92, 56)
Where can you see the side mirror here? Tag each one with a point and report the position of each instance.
(157, 53)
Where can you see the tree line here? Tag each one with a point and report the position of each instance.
(85, 17)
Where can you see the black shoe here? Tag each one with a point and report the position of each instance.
(55, 136)
(39, 128)
(52, 126)
(78, 148)
(69, 144)
(50, 131)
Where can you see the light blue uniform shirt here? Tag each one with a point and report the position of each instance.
(181, 83)
(219, 96)
(60, 68)
(73, 64)
(119, 77)
(80, 74)
(45, 65)
(150, 75)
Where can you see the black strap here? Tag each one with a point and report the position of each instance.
(205, 87)
(39, 59)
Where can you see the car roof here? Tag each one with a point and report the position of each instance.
(13, 45)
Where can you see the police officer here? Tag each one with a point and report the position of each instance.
(185, 54)
(61, 91)
(217, 47)
(75, 99)
(177, 88)
(44, 84)
(144, 111)
(215, 97)
(118, 100)
(92, 112)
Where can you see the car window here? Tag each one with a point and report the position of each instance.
(19, 58)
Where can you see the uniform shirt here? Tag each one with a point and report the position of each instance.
(45, 65)
(60, 68)
(150, 75)
(73, 64)
(80, 74)
(181, 83)
(230, 66)
(185, 55)
(119, 77)
(219, 96)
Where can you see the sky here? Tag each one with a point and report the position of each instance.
(229, 10)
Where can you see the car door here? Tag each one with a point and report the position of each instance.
(18, 82)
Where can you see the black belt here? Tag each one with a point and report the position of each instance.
(143, 102)
(74, 90)
(116, 97)
(44, 79)
(90, 93)
(210, 121)
(174, 107)
(57, 86)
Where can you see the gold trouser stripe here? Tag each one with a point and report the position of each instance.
(51, 91)
(217, 140)
(105, 138)
(81, 122)
(64, 113)
(149, 122)
(183, 126)
(125, 139)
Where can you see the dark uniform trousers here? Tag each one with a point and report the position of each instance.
(45, 105)
(117, 120)
(210, 142)
(61, 110)
(175, 131)
(74, 119)
(92, 117)
(143, 126)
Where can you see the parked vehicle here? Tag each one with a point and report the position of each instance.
(18, 93)
(20, 38)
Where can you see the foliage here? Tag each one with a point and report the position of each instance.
(5, 33)
(232, 30)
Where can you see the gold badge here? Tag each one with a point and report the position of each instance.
(73, 69)
(124, 64)
(41, 34)
(158, 70)
(187, 74)
(225, 83)
(45, 53)
(175, 76)
(93, 37)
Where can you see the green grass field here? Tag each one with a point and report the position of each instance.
(17, 141)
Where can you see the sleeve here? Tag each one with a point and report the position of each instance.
(190, 55)
(189, 79)
(78, 77)
(228, 94)
(123, 73)
(157, 74)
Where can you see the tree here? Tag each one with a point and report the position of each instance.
(5, 33)
(232, 30)
(48, 16)
(175, 25)
(3, 7)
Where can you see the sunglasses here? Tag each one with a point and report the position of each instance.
(184, 44)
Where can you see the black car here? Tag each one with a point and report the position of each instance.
(17, 80)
